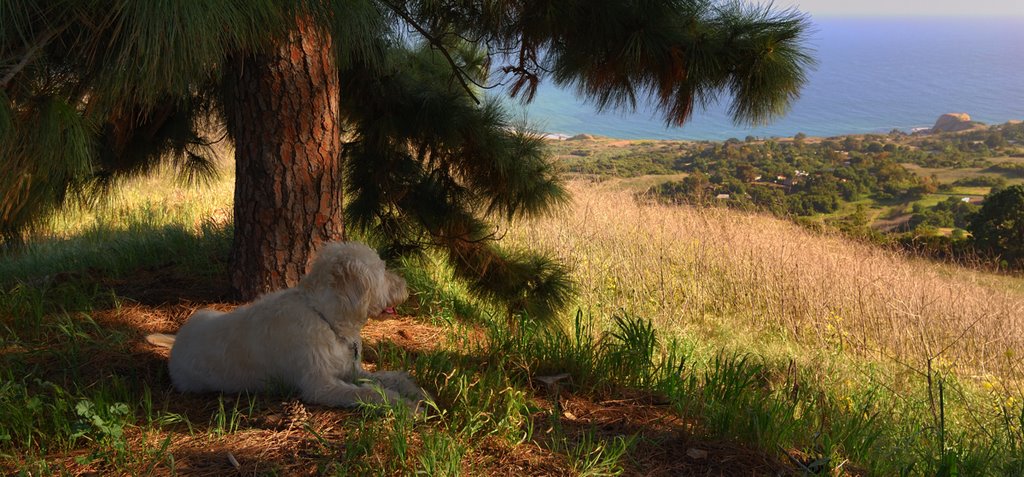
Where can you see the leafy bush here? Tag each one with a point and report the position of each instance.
(981, 181)
(1008, 168)
(998, 228)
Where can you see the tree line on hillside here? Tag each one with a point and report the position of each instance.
(968, 149)
(801, 178)
(791, 178)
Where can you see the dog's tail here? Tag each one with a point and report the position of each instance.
(161, 340)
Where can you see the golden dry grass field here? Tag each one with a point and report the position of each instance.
(769, 285)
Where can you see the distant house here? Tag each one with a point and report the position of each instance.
(965, 199)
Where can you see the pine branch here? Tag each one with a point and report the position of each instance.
(436, 43)
(30, 53)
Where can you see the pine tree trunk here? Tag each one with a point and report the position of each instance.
(282, 109)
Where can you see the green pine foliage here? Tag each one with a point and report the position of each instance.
(430, 178)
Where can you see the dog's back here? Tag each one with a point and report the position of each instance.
(246, 349)
(197, 347)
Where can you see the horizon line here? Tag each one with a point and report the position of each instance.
(991, 16)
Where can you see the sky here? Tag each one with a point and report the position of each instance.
(1000, 8)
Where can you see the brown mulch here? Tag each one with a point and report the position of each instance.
(405, 332)
(665, 439)
(163, 285)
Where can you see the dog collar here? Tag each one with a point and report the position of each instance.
(337, 333)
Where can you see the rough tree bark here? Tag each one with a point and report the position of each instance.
(282, 109)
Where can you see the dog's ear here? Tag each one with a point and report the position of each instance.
(354, 281)
(396, 291)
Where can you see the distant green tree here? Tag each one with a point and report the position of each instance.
(995, 139)
(769, 199)
(799, 139)
(693, 189)
(856, 224)
(746, 172)
(931, 218)
(834, 156)
(998, 228)
(962, 211)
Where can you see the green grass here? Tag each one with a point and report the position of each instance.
(1007, 159)
(79, 392)
(646, 182)
(930, 200)
(973, 191)
(949, 176)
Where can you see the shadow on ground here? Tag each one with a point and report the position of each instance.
(212, 434)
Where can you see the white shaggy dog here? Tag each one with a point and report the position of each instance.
(304, 338)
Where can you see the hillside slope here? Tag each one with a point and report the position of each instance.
(748, 277)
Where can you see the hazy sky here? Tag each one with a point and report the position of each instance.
(907, 7)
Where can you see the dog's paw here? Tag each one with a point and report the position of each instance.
(407, 387)
(422, 409)
(393, 398)
(422, 395)
(382, 400)
(407, 407)
(401, 382)
(410, 390)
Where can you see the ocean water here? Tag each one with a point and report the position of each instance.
(872, 75)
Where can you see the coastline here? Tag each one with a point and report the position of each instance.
(874, 75)
(914, 131)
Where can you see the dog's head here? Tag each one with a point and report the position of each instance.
(359, 276)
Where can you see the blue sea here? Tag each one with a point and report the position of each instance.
(872, 75)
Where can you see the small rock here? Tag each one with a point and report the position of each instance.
(551, 380)
(697, 453)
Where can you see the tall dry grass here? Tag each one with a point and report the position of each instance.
(157, 199)
(720, 272)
